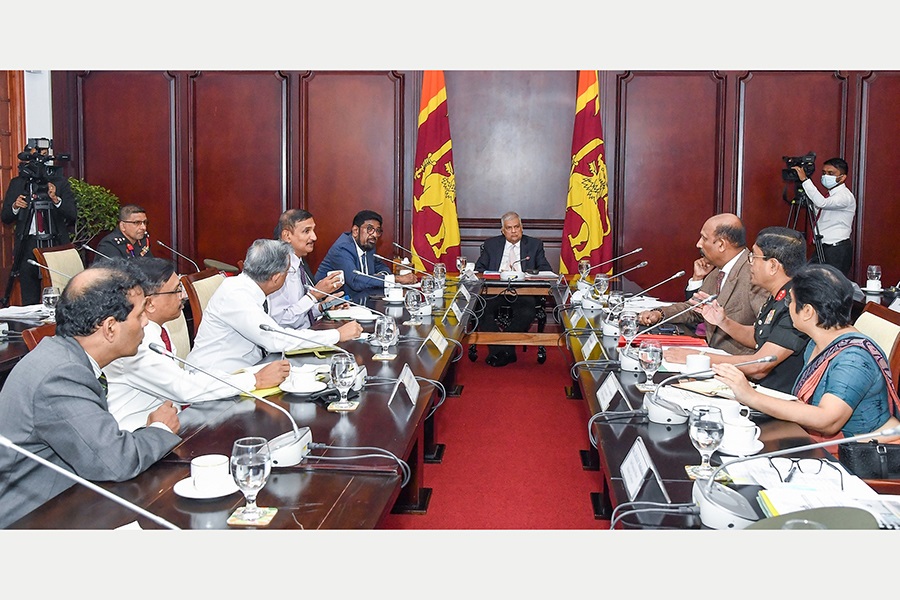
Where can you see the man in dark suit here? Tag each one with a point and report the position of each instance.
(38, 227)
(130, 238)
(54, 401)
(354, 250)
(511, 251)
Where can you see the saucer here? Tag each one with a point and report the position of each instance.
(870, 291)
(302, 385)
(185, 488)
(753, 449)
(392, 300)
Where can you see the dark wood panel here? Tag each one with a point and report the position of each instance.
(352, 129)
(879, 186)
(668, 171)
(238, 170)
(126, 141)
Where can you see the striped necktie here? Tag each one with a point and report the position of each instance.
(104, 384)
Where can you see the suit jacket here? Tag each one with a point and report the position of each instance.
(530, 249)
(115, 245)
(741, 301)
(342, 256)
(60, 218)
(53, 405)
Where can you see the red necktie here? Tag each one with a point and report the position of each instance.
(165, 338)
(39, 221)
(719, 278)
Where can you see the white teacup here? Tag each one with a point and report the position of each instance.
(208, 472)
(340, 274)
(740, 434)
(395, 293)
(873, 284)
(696, 362)
(734, 411)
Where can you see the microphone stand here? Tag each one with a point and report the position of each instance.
(606, 262)
(100, 254)
(176, 253)
(722, 507)
(288, 449)
(4, 441)
(641, 293)
(54, 271)
(411, 252)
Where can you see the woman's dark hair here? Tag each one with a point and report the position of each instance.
(827, 290)
(787, 246)
(82, 308)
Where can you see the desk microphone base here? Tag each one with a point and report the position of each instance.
(288, 450)
(721, 507)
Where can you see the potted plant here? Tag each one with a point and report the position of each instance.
(98, 210)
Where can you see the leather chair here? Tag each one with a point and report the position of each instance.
(34, 335)
(178, 333)
(200, 288)
(65, 259)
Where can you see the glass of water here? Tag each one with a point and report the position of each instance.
(440, 274)
(874, 272)
(706, 429)
(386, 334)
(50, 298)
(461, 262)
(584, 267)
(251, 464)
(650, 356)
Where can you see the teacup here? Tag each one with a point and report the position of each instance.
(208, 472)
(395, 292)
(740, 434)
(696, 362)
(734, 411)
(340, 274)
(873, 284)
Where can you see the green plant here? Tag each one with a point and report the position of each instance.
(98, 210)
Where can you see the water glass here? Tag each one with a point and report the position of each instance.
(628, 326)
(50, 298)
(874, 272)
(413, 301)
(584, 267)
(440, 274)
(706, 429)
(461, 262)
(650, 356)
(251, 464)
(428, 285)
(343, 374)
(386, 334)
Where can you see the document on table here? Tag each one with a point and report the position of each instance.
(885, 509)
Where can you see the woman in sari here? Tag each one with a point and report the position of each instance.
(845, 388)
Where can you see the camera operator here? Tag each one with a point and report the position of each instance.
(835, 212)
(41, 203)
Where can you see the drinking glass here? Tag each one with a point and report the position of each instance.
(461, 262)
(251, 463)
(874, 272)
(706, 429)
(650, 357)
(440, 274)
(584, 267)
(428, 286)
(615, 302)
(628, 327)
(386, 334)
(50, 298)
(413, 301)
(343, 374)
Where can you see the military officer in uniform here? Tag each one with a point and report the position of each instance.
(130, 239)
(778, 253)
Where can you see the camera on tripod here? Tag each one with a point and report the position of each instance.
(808, 162)
(36, 166)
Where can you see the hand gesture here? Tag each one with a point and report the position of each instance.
(735, 379)
(272, 374)
(649, 317)
(702, 268)
(166, 414)
(350, 331)
(713, 313)
(677, 355)
(329, 285)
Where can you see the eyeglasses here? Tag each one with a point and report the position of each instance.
(142, 222)
(807, 466)
(370, 229)
(750, 257)
(179, 290)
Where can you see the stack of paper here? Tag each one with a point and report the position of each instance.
(31, 312)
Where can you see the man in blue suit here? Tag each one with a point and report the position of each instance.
(354, 250)
(511, 251)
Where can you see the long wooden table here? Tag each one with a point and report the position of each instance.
(316, 494)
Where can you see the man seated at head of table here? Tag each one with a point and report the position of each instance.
(54, 401)
(299, 302)
(777, 254)
(141, 383)
(846, 387)
(130, 238)
(229, 337)
(354, 250)
(722, 269)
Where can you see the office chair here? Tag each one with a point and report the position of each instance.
(178, 333)
(65, 259)
(33, 335)
(200, 288)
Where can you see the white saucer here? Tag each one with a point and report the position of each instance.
(756, 447)
(868, 291)
(392, 300)
(304, 385)
(185, 488)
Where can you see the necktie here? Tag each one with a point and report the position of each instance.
(265, 308)
(364, 263)
(719, 278)
(39, 221)
(165, 338)
(306, 280)
(103, 383)
(514, 258)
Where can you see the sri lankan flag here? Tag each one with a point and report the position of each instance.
(435, 226)
(586, 226)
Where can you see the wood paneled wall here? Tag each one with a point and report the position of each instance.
(215, 156)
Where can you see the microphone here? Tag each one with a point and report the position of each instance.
(351, 302)
(645, 290)
(411, 252)
(675, 414)
(722, 507)
(706, 300)
(410, 267)
(86, 247)
(637, 266)
(54, 271)
(4, 441)
(403, 285)
(288, 449)
(606, 262)
(176, 253)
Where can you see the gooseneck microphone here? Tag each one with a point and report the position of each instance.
(54, 271)
(288, 449)
(410, 267)
(176, 253)
(722, 507)
(411, 252)
(637, 266)
(606, 262)
(656, 285)
(350, 302)
(98, 253)
(402, 285)
(706, 300)
(4, 441)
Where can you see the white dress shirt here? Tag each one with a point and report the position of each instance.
(836, 211)
(229, 336)
(139, 384)
(291, 305)
(509, 261)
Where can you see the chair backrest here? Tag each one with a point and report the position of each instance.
(178, 333)
(883, 325)
(65, 259)
(200, 288)
(33, 335)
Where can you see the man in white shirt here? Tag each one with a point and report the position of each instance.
(835, 213)
(230, 337)
(139, 384)
(722, 269)
(298, 303)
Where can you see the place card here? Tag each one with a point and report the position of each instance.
(634, 468)
(408, 380)
(588, 346)
(608, 390)
(437, 338)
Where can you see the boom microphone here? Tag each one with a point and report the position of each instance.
(606, 262)
(403, 285)
(706, 300)
(176, 253)
(411, 252)
(288, 449)
(645, 290)
(54, 271)
(351, 302)
(86, 247)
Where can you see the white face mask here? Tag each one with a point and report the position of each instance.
(829, 181)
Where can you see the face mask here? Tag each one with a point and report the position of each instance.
(829, 181)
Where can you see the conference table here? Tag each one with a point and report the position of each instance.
(333, 487)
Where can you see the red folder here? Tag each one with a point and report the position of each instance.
(666, 340)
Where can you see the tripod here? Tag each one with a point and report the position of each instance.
(43, 238)
(799, 202)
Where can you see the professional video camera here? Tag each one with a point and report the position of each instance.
(36, 165)
(808, 162)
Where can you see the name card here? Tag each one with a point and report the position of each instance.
(408, 380)
(607, 391)
(457, 311)
(578, 317)
(437, 338)
(592, 342)
(635, 467)
(465, 292)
